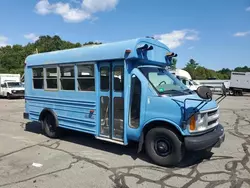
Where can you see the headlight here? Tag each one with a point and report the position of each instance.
(201, 122)
(198, 123)
(13, 91)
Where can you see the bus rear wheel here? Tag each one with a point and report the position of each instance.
(164, 147)
(49, 126)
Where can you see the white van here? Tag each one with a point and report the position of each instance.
(11, 87)
(185, 77)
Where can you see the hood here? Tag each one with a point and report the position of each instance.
(192, 104)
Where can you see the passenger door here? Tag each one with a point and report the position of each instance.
(111, 79)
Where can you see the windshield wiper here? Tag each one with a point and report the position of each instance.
(188, 91)
(171, 91)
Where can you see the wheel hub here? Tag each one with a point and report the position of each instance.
(162, 147)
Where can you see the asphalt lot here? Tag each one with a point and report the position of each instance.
(78, 160)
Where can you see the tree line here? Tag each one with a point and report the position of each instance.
(12, 58)
(198, 72)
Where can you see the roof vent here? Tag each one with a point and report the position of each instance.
(150, 37)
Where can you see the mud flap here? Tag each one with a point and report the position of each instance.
(141, 141)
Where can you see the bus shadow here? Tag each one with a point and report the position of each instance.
(33, 127)
(87, 140)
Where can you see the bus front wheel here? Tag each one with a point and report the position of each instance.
(49, 126)
(164, 147)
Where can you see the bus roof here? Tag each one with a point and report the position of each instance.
(109, 51)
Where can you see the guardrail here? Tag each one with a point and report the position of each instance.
(215, 85)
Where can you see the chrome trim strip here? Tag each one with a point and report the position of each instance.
(210, 110)
(213, 117)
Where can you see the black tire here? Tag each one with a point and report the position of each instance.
(231, 92)
(159, 137)
(208, 150)
(8, 96)
(49, 126)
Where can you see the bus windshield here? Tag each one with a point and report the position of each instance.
(164, 82)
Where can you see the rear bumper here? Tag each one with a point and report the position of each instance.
(25, 115)
(205, 141)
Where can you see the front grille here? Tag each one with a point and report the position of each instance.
(212, 122)
(206, 121)
(212, 113)
(211, 118)
(19, 92)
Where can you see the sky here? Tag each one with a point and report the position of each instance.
(215, 33)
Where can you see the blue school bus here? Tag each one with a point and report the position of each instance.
(121, 92)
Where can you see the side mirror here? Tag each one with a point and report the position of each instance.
(204, 92)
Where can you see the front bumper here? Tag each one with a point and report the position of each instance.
(17, 94)
(205, 141)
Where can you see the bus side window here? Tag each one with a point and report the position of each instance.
(38, 78)
(67, 77)
(86, 77)
(135, 105)
(184, 82)
(104, 82)
(51, 78)
(118, 78)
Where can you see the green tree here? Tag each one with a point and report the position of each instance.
(224, 73)
(173, 63)
(191, 67)
(200, 73)
(242, 69)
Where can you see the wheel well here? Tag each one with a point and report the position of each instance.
(162, 124)
(155, 124)
(48, 111)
